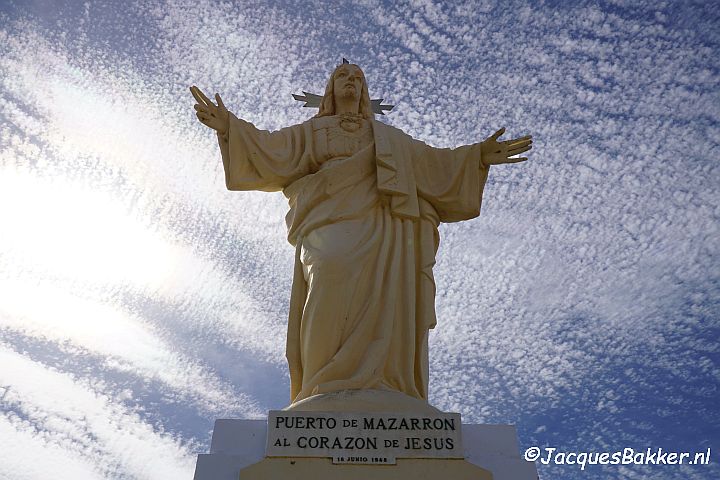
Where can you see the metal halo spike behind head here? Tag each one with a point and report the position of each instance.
(313, 100)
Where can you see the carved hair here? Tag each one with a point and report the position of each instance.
(327, 104)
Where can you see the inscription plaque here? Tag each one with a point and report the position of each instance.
(374, 438)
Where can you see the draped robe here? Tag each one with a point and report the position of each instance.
(365, 230)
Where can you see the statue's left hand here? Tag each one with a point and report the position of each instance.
(494, 152)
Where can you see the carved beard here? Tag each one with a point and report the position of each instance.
(349, 91)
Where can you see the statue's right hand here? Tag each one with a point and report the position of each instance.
(211, 115)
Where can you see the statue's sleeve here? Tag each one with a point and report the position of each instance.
(452, 180)
(256, 159)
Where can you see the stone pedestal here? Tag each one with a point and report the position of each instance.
(322, 468)
(237, 452)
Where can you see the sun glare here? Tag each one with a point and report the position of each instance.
(61, 229)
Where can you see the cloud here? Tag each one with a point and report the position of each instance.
(78, 430)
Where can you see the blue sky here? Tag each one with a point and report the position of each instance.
(140, 300)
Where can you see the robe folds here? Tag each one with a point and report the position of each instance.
(365, 231)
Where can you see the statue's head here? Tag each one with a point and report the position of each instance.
(347, 81)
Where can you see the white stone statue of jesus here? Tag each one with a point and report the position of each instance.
(365, 202)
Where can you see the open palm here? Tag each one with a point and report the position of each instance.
(211, 115)
(496, 152)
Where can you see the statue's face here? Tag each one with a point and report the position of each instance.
(348, 82)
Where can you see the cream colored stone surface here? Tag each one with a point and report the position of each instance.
(363, 401)
(365, 203)
(238, 444)
(322, 468)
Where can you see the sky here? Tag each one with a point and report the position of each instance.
(140, 300)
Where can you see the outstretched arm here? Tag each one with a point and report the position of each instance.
(452, 180)
(494, 152)
(254, 159)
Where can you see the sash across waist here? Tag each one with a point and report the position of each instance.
(313, 190)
